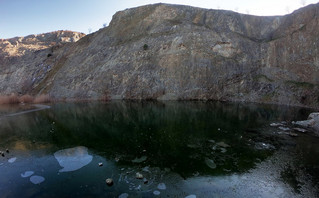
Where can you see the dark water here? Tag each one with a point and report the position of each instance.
(204, 149)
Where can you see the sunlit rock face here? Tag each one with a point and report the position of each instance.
(19, 46)
(23, 60)
(73, 159)
(173, 52)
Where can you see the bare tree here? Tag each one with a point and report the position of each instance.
(104, 25)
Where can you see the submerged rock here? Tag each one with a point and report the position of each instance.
(139, 160)
(223, 150)
(161, 186)
(293, 134)
(210, 163)
(73, 158)
(262, 146)
(193, 146)
(146, 169)
(191, 196)
(284, 128)
(222, 144)
(138, 188)
(276, 124)
(300, 130)
(123, 195)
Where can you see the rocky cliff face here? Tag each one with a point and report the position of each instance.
(20, 46)
(172, 52)
(23, 60)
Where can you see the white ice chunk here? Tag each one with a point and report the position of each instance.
(73, 158)
(11, 160)
(27, 174)
(36, 179)
(156, 192)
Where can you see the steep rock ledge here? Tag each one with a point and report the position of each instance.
(23, 59)
(174, 52)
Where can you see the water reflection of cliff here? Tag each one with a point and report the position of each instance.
(177, 135)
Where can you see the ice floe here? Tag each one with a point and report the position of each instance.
(73, 158)
(27, 174)
(156, 192)
(11, 160)
(36, 179)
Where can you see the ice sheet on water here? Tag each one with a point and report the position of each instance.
(27, 174)
(156, 192)
(36, 179)
(11, 160)
(73, 158)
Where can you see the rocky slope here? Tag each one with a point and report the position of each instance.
(172, 52)
(23, 59)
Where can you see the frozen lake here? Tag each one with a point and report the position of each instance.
(156, 149)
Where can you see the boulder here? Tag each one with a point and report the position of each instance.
(312, 122)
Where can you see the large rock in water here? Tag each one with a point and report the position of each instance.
(312, 122)
(173, 52)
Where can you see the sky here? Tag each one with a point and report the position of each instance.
(25, 17)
